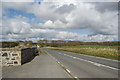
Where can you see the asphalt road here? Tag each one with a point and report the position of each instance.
(42, 66)
(83, 66)
(62, 64)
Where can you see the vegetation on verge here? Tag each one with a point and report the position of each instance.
(8, 44)
(42, 51)
(94, 50)
(101, 49)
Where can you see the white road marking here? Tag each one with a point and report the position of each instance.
(97, 64)
(59, 62)
(68, 70)
(98, 57)
(76, 77)
(94, 63)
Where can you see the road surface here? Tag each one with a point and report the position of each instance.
(42, 66)
(84, 66)
(62, 64)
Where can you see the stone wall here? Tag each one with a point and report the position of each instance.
(17, 57)
(27, 54)
(10, 58)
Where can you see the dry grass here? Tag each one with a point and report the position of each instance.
(42, 51)
(107, 52)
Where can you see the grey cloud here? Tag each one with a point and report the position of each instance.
(65, 8)
(84, 16)
(98, 23)
(49, 34)
(107, 6)
(23, 6)
(17, 25)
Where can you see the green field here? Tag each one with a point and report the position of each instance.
(94, 50)
(91, 46)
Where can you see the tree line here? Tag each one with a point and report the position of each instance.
(59, 43)
(56, 43)
(8, 44)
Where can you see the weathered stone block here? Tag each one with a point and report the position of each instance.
(13, 58)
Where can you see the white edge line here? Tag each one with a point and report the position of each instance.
(68, 70)
(94, 63)
(98, 57)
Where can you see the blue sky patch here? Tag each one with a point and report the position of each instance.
(12, 13)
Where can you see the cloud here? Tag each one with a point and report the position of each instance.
(50, 25)
(17, 25)
(18, 28)
(17, 0)
(23, 6)
(37, 34)
(99, 23)
(100, 20)
(65, 9)
(107, 6)
(84, 15)
(77, 1)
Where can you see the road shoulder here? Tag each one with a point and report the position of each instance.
(43, 66)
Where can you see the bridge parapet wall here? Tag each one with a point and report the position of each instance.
(17, 57)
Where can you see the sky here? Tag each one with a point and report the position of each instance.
(59, 20)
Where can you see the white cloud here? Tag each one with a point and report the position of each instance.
(61, 15)
(101, 23)
(50, 25)
(17, 0)
(76, 1)
(83, 16)
(17, 25)
(19, 29)
(37, 34)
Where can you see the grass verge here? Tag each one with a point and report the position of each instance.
(100, 51)
(42, 51)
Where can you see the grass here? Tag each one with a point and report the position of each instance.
(91, 46)
(42, 51)
(110, 52)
